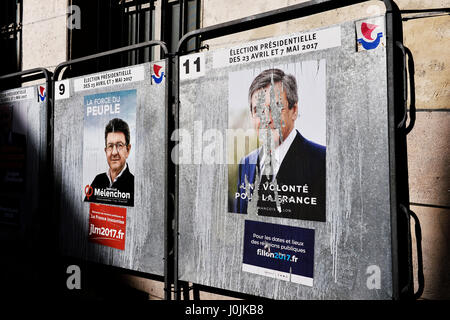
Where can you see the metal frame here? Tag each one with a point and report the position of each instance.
(399, 193)
(425, 13)
(167, 224)
(34, 74)
(168, 8)
(30, 72)
(45, 168)
(408, 68)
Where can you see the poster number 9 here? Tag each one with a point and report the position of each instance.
(192, 66)
(62, 89)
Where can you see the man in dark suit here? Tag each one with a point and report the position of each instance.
(286, 174)
(116, 186)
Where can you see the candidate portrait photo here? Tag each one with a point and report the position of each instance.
(108, 150)
(279, 146)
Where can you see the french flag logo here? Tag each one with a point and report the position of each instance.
(369, 35)
(157, 75)
(42, 93)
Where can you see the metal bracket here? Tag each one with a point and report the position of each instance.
(425, 13)
(408, 68)
(418, 232)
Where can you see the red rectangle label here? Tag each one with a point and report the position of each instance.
(107, 225)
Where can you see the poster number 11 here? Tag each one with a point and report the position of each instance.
(196, 62)
(192, 66)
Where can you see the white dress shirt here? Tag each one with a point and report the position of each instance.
(109, 175)
(279, 153)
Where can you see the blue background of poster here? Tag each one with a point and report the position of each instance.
(94, 158)
(305, 263)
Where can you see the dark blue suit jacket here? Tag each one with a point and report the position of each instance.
(304, 164)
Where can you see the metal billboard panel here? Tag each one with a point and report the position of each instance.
(352, 241)
(23, 149)
(118, 224)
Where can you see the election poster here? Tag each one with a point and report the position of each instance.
(13, 141)
(277, 146)
(108, 147)
(13, 151)
(107, 225)
(279, 251)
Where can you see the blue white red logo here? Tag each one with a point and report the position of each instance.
(369, 35)
(42, 93)
(158, 74)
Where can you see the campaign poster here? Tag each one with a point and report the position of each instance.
(279, 251)
(276, 143)
(13, 139)
(109, 147)
(10, 210)
(107, 225)
(13, 152)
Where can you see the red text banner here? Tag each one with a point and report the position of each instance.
(107, 225)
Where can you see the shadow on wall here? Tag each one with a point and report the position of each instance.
(22, 249)
(31, 265)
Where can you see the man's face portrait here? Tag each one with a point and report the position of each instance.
(116, 150)
(263, 115)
